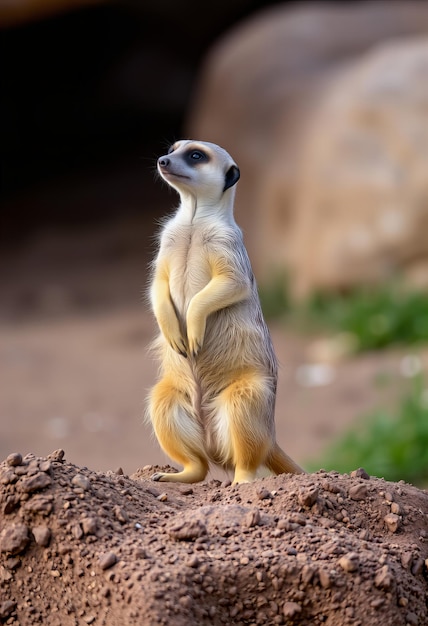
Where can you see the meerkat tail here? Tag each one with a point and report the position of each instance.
(280, 463)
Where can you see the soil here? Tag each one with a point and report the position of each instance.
(84, 547)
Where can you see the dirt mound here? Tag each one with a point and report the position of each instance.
(80, 547)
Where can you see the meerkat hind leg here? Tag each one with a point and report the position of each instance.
(244, 404)
(193, 472)
(178, 432)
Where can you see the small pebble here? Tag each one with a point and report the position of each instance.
(349, 562)
(392, 522)
(13, 562)
(358, 492)
(308, 496)
(389, 497)
(383, 578)
(406, 560)
(36, 482)
(57, 455)
(263, 493)
(45, 466)
(107, 560)
(6, 609)
(360, 473)
(188, 531)
(89, 525)
(14, 459)
(76, 531)
(42, 535)
(252, 518)
(81, 481)
(291, 609)
(121, 514)
(325, 579)
(14, 538)
(395, 508)
(193, 561)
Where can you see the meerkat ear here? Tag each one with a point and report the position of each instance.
(232, 177)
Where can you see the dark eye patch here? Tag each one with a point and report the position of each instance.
(194, 156)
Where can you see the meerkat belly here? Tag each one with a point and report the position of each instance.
(189, 273)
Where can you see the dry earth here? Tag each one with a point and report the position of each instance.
(81, 547)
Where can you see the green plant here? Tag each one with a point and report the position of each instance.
(274, 296)
(390, 445)
(375, 317)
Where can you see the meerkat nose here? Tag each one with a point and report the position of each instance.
(163, 162)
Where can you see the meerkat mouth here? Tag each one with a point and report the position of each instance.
(167, 173)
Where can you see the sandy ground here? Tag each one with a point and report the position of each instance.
(79, 547)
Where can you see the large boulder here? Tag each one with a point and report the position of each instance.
(258, 89)
(361, 199)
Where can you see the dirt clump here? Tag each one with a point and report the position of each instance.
(81, 547)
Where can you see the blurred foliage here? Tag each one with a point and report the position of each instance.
(274, 296)
(392, 445)
(389, 443)
(376, 318)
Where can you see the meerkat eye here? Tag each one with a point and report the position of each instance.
(196, 155)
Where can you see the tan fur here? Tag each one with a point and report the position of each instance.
(215, 399)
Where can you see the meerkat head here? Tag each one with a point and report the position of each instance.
(202, 169)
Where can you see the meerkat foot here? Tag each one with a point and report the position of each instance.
(157, 476)
(192, 473)
(244, 476)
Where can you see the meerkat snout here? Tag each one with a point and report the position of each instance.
(163, 162)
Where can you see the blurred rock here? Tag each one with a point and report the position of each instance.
(258, 90)
(361, 204)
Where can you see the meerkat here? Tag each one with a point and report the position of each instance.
(215, 399)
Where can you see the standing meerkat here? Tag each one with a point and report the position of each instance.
(215, 399)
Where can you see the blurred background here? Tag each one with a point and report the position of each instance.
(324, 106)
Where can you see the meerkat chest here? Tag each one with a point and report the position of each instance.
(189, 268)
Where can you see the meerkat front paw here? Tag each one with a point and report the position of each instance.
(195, 335)
(171, 332)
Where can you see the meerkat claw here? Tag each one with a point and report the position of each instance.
(180, 349)
(196, 350)
(157, 476)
